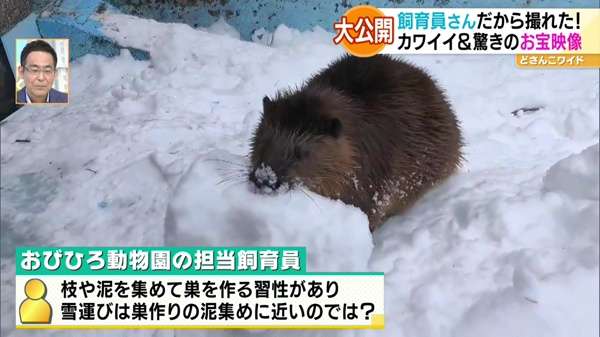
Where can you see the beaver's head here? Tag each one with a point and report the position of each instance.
(302, 138)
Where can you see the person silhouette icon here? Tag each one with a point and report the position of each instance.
(35, 309)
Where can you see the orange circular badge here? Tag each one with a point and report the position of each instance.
(364, 31)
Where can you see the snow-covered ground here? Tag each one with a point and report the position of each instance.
(152, 153)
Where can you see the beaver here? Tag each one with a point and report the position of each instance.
(376, 133)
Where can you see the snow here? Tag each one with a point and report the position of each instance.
(574, 174)
(153, 153)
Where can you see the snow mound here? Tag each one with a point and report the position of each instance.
(576, 176)
(221, 27)
(217, 207)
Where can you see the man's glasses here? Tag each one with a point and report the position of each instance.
(47, 71)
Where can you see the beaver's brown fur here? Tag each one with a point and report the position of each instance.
(373, 132)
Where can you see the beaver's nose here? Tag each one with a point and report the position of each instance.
(270, 183)
(264, 180)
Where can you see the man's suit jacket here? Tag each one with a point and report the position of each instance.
(55, 96)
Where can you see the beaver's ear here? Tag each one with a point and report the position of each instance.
(267, 105)
(332, 127)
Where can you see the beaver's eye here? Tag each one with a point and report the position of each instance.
(299, 153)
(331, 127)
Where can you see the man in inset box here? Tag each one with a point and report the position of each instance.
(38, 69)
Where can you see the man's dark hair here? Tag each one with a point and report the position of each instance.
(38, 45)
